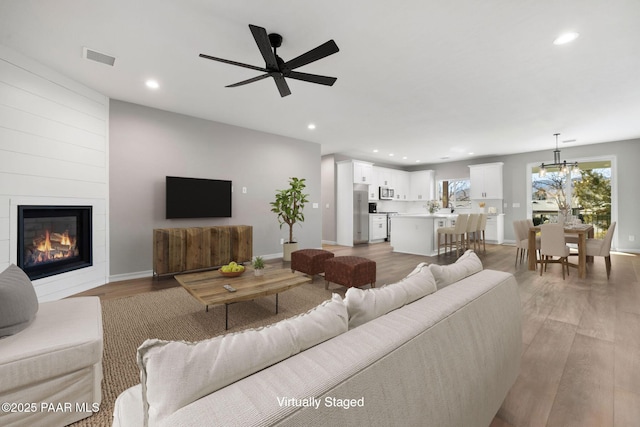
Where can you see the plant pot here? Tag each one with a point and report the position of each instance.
(258, 272)
(287, 248)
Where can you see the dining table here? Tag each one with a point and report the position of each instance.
(581, 230)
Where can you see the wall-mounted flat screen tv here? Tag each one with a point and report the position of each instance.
(197, 198)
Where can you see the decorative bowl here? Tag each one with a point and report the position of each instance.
(231, 273)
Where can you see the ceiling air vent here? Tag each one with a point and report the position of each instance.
(97, 56)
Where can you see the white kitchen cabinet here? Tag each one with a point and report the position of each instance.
(401, 184)
(374, 194)
(494, 231)
(377, 227)
(393, 178)
(486, 181)
(362, 172)
(422, 185)
(383, 176)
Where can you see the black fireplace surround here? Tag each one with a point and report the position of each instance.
(54, 239)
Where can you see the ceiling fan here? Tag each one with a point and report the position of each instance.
(278, 69)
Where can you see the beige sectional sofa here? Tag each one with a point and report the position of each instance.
(51, 365)
(404, 354)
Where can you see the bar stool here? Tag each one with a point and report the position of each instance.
(472, 226)
(456, 232)
(482, 225)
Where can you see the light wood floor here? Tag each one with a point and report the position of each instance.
(581, 338)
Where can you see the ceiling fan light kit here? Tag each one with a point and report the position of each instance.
(276, 68)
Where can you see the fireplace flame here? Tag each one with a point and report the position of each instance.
(54, 246)
(45, 246)
(65, 239)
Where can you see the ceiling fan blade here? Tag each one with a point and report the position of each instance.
(312, 78)
(239, 64)
(254, 79)
(262, 40)
(283, 87)
(322, 51)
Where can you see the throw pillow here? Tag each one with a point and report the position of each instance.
(175, 373)
(465, 266)
(419, 268)
(364, 305)
(419, 283)
(367, 304)
(18, 301)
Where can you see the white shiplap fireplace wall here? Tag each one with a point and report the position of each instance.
(53, 151)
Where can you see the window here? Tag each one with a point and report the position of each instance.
(586, 193)
(455, 193)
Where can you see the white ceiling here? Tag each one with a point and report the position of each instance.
(421, 79)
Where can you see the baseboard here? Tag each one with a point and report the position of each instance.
(629, 251)
(271, 256)
(329, 242)
(130, 276)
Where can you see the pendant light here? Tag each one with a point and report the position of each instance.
(563, 166)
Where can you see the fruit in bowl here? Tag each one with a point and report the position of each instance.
(232, 269)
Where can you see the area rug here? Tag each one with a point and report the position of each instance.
(173, 314)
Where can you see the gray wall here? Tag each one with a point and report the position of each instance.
(148, 144)
(328, 199)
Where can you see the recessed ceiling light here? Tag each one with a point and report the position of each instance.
(471, 153)
(375, 151)
(417, 161)
(565, 38)
(152, 84)
(311, 126)
(404, 158)
(391, 154)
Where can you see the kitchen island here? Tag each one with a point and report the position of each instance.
(416, 233)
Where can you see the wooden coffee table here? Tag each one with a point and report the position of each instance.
(207, 287)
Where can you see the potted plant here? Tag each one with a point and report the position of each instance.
(258, 266)
(289, 205)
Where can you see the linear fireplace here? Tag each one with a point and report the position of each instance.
(54, 239)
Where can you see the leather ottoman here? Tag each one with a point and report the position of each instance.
(309, 261)
(350, 271)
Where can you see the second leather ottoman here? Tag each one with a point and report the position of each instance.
(350, 271)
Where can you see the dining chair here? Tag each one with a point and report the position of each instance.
(482, 225)
(472, 226)
(602, 247)
(521, 229)
(552, 244)
(456, 232)
(522, 243)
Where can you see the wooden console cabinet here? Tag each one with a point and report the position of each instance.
(176, 250)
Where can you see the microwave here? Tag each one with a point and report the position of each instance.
(387, 193)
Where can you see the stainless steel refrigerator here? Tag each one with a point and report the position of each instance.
(360, 214)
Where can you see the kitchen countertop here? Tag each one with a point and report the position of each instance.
(435, 215)
(425, 215)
